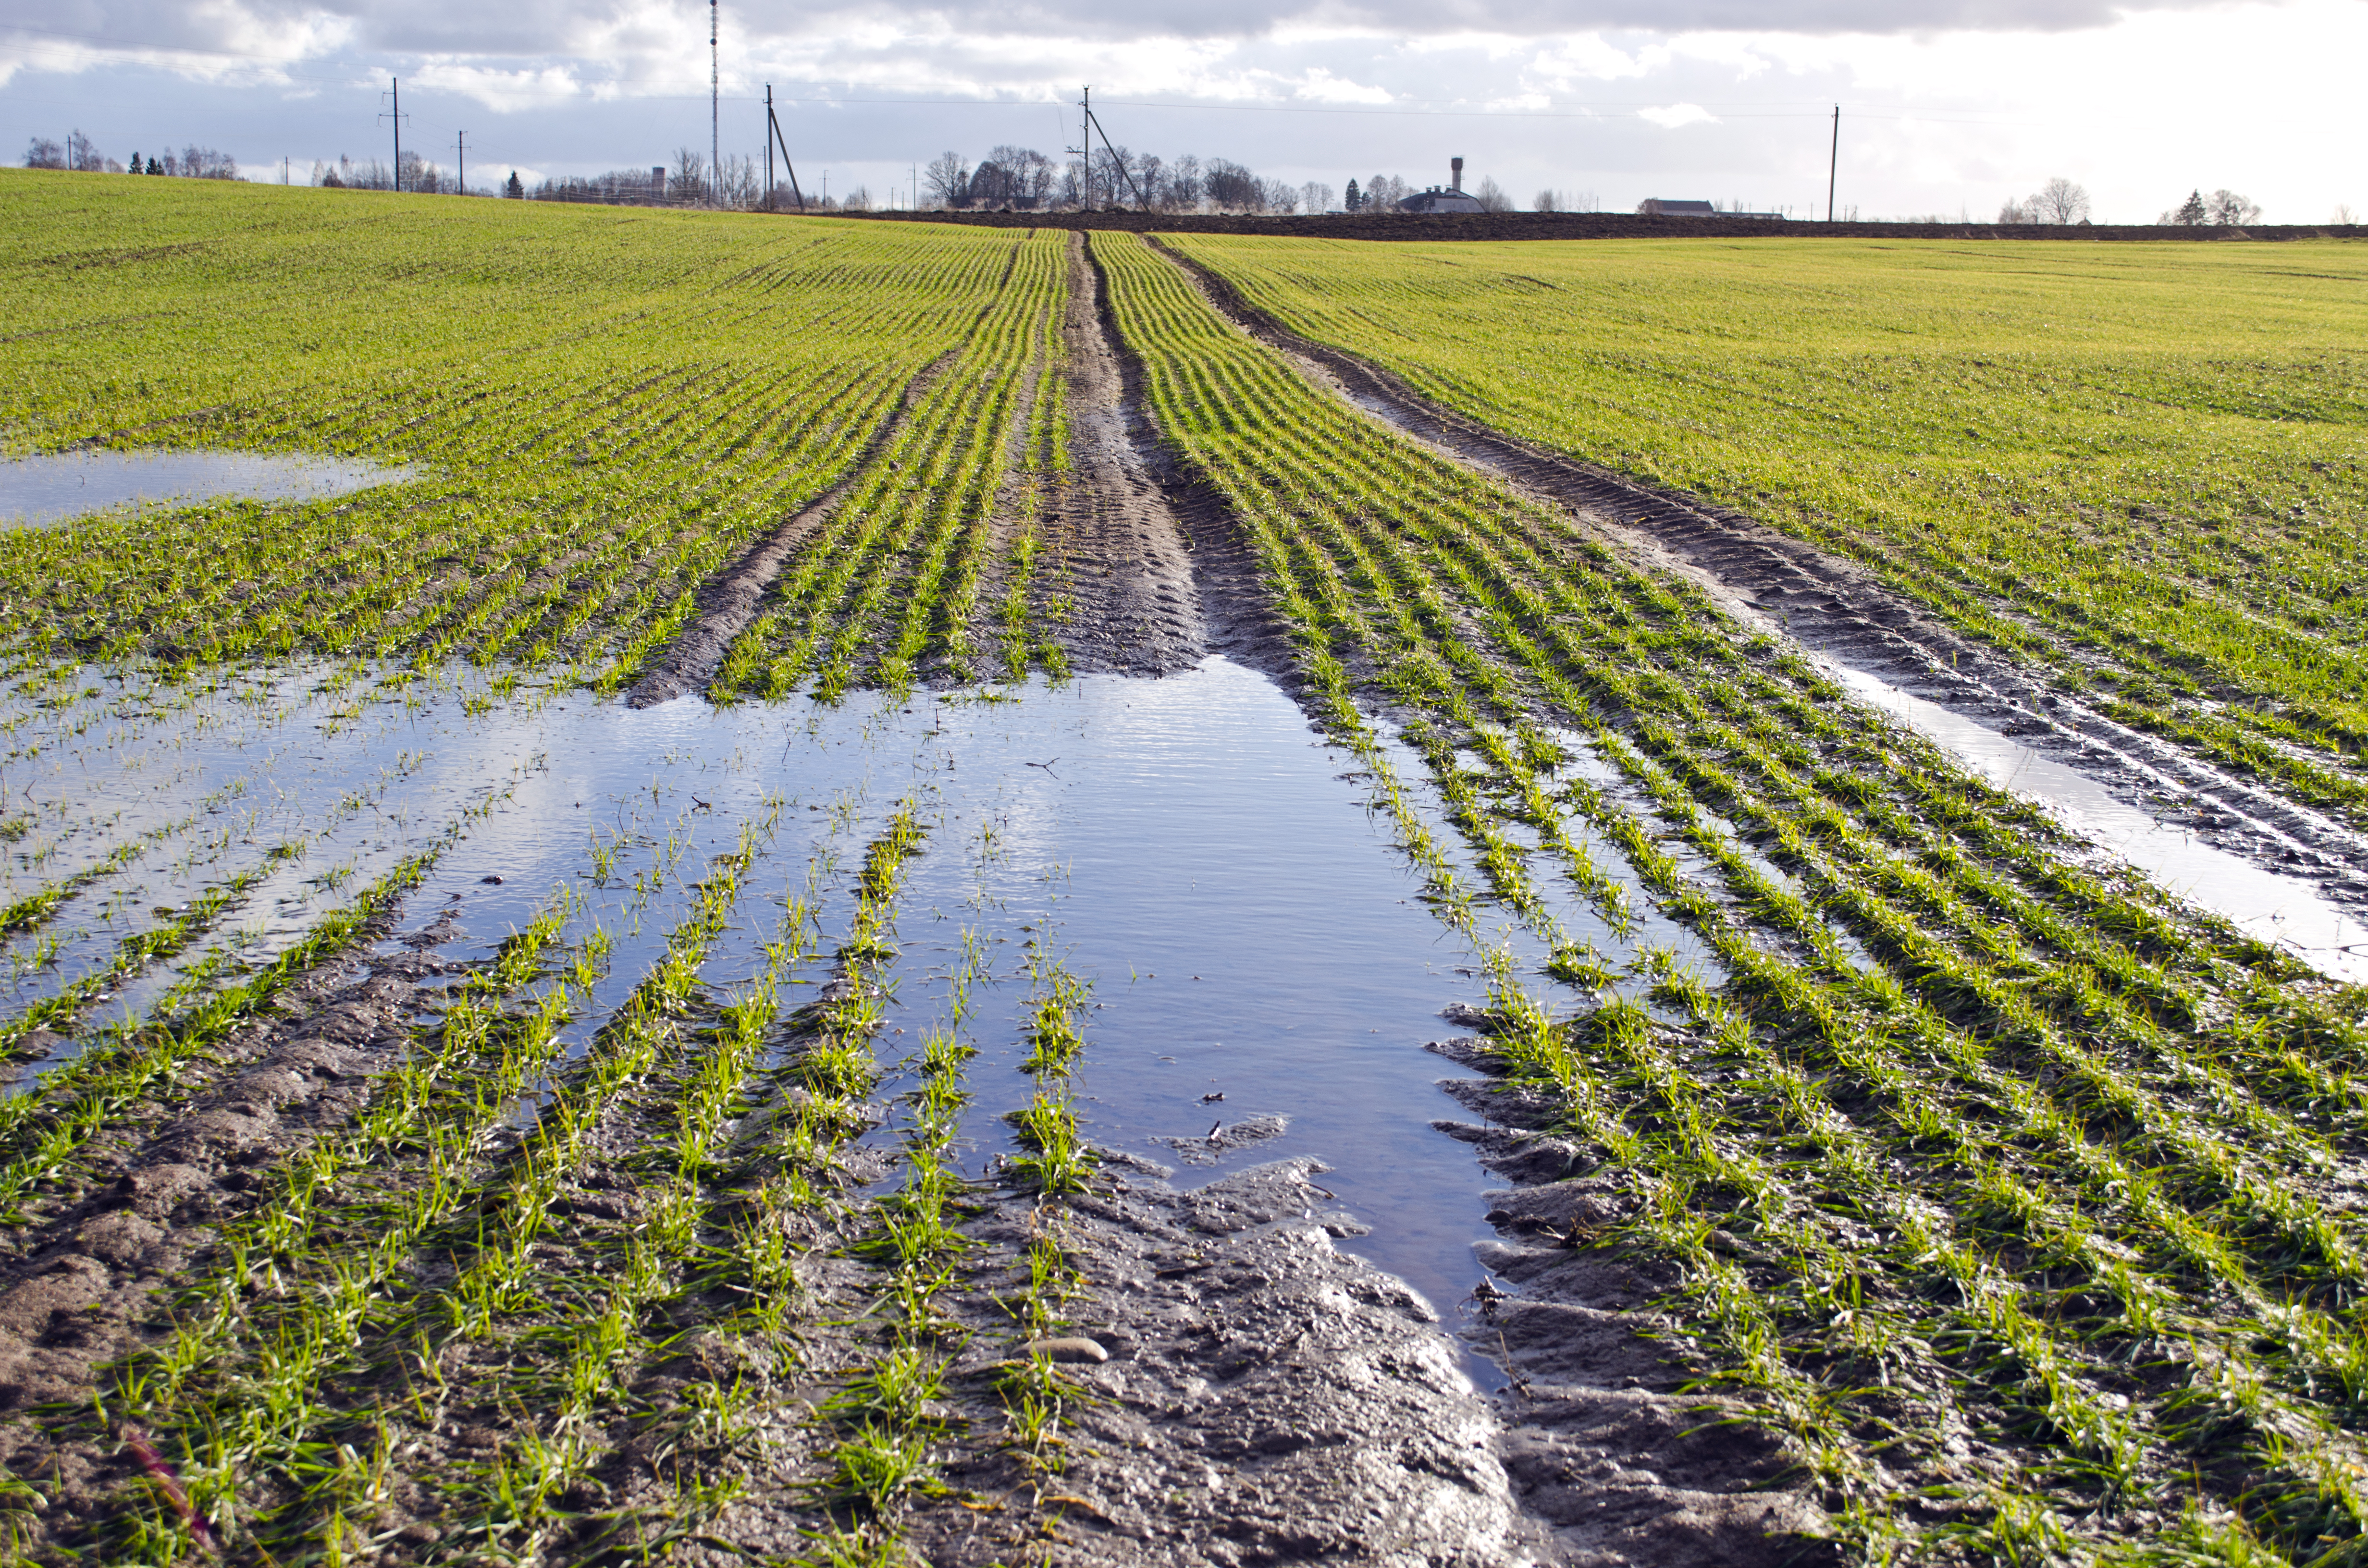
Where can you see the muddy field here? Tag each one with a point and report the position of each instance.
(1347, 987)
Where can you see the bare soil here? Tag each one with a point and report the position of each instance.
(1844, 612)
(1127, 568)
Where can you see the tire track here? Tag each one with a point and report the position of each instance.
(1845, 613)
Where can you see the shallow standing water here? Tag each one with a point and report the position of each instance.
(1189, 846)
(2286, 911)
(41, 490)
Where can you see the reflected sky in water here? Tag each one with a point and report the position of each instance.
(45, 491)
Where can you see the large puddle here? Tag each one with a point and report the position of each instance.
(43, 491)
(2286, 911)
(1189, 848)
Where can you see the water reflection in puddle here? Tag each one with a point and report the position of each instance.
(1188, 847)
(2283, 910)
(39, 490)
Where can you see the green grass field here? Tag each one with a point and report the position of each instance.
(2143, 466)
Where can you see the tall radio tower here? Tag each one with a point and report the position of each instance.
(714, 110)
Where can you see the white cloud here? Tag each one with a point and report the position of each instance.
(1937, 116)
(1319, 86)
(1675, 115)
(503, 91)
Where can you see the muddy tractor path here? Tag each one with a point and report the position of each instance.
(1239, 1391)
(1844, 613)
(1133, 605)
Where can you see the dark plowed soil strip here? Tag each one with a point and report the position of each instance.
(1133, 605)
(1845, 612)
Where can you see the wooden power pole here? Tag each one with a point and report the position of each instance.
(1834, 163)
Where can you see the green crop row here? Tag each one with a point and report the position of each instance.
(870, 592)
(589, 442)
(2142, 466)
(2097, 1103)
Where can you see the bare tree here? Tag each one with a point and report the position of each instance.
(947, 180)
(856, 200)
(1316, 197)
(1230, 185)
(2059, 201)
(740, 181)
(1491, 195)
(44, 153)
(1278, 196)
(2013, 211)
(2344, 215)
(1183, 187)
(1547, 200)
(2226, 210)
(82, 155)
(691, 174)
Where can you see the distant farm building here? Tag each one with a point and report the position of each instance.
(1667, 206)
(1452, 199)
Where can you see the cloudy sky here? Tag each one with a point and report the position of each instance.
(1947, 106)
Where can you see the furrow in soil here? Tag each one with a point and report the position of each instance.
(1844, 613)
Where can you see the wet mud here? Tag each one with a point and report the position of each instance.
(86, 1274)
(1845, 613)
(1604, 1444)
(1134, 603)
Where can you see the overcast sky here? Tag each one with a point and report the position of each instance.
(1947, 106)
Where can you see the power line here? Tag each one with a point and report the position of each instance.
(1740, 108)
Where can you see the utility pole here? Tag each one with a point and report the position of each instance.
(773, 137)
(714, 107)
(1119, 164)
(1834, 165)
(462, 142)
(394, 113)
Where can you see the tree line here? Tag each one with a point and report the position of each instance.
(78, 153)
(1023, 179)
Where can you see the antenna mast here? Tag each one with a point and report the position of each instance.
(714, 107)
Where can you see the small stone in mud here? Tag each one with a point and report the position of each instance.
(1075, 1349)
